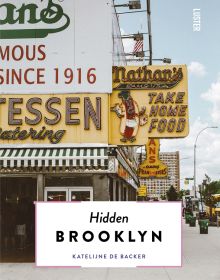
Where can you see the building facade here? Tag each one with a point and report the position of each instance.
(59, 172)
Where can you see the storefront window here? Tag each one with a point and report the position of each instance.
(68, 194)
(80, 196)
(56, 196)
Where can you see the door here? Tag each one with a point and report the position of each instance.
(68, 194)
(17, 222)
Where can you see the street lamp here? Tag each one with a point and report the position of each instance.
(195, 155)
(149, 31)
(165, 60)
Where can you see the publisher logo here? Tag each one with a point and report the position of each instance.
(196, 20)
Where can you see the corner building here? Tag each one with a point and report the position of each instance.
(59, 172)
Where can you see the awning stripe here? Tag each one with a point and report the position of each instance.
(95, 159)
(39, 157)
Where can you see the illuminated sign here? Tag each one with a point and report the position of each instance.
(146, 77)
(148, 102)
(73, 118)
(152, 166)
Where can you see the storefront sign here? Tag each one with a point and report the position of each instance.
(153, 167)
(123, 173)
(53, 119)
(142, 191)
(148, 101)
(50, 46)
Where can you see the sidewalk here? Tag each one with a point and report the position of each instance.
(201, 261)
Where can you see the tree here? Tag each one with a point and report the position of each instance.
(207, 178)
(172, 194)
(182, 193)
(210, 189)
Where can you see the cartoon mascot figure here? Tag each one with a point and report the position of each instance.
(131, 117)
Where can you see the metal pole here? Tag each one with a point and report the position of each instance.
(201, 198)
(195, 169)
(149, 31)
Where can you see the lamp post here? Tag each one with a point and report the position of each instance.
(195, 155)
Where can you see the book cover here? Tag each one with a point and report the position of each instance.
(109, 139)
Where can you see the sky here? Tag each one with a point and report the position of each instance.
(173, 37)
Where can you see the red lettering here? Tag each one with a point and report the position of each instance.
(7, 76)
(152, 159)
(17, 53)
(4, 54)
(152, 142)
(17, 76)
(42, 52)
(1, 77)
(40, 76)
(152, 150)
(26, 76)
(28, 53)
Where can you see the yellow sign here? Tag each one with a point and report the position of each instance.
(53, 119)
(122, 172)
(148, 102)
(152, 166)
(142, 191)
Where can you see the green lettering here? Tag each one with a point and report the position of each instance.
(32, 8)
(10, 8)
(27, 14)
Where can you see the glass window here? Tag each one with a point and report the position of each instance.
(80, 195)
(56, 196)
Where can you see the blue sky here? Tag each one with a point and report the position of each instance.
(173, 37)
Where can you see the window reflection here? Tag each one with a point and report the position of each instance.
(80, 195)
(56, 196)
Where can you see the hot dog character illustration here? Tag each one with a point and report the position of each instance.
(131, 117)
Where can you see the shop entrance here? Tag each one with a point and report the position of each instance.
(17, 212)
(68, 194)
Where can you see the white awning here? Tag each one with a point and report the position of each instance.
(39, 157)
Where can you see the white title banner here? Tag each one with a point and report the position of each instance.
(108, 234)
(55, 46)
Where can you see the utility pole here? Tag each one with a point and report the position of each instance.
(149, 31)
